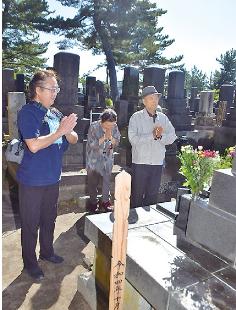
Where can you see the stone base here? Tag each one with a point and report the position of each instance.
(167, 270)
(74, 158)
(94, 296)
(205, 121)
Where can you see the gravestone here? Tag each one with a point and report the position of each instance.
(192, 103)
(225, 136)
(227, 94)
(205, 115)
(100, 94)
(67, 67)
(176, 84)
(90, 97)
(163, 271)
(154, 76)
(8, 85)
(178, 111)
(15, 102)
(130, 89)
(213, 224)
(130, 86)
(20, 82)
(206, 102)
(121, 108)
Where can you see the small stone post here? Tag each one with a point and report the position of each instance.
(15, 102)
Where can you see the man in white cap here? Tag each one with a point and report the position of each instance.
(149, 132)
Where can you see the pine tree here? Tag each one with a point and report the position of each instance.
(126, 32)
(227, 73)
(196, 78)
(21, 48)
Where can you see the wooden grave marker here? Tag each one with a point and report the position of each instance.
(119, 240)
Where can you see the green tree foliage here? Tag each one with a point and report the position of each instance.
(21, 48)
(196, 78)
(127, 32)
(227, 72)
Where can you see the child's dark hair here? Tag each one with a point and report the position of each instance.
(108, 115)
(37, 80)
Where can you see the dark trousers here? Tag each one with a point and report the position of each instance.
(38, 210)
(146, 180)
(93, 181)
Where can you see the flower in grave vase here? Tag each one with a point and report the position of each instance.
(197, 166)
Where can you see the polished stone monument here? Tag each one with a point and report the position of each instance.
(90, 98)
(178, 112)
(213, 224)
(67, 67)
(20, 82)
(100, 94)
(227, 94)
(154, 76)
(130, 89)
(193, 103)
(163, 270)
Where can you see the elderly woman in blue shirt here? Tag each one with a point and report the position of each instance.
(46, 134)
(103, 136)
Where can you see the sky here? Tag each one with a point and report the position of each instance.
(202, 29)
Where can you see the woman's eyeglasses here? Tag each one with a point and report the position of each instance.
(52, 90)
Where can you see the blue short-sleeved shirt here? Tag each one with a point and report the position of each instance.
(44, 166)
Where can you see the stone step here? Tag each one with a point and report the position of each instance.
(73, 183)
(168, 208)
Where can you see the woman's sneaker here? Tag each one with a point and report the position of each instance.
(106, 206)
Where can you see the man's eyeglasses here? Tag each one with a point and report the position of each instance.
(52, 90)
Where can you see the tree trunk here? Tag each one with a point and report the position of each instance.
(111, 66)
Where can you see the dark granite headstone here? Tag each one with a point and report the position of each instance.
(154, 76)
(90, 93)
(67, 67)
(192, 102)
(130, 86)
(176, 84)
(227, 94)
(121, 108)
(100, 94)
(20, 82)
(8, 85)
(213, 224)
(178, 111)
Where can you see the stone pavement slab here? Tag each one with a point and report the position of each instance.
(59, 288)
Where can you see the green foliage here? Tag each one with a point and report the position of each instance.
(196, 78)
(216, 94)
(227, 73)
(226, 159)
(109, 102)
(20, 39)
